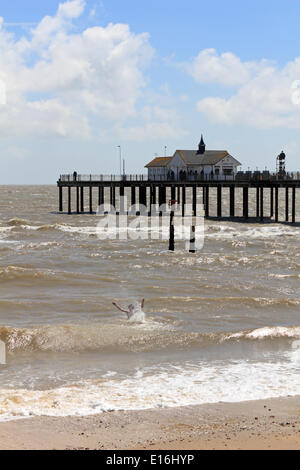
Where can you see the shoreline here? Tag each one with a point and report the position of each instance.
(262, 424)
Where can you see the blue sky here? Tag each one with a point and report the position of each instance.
(86, 76)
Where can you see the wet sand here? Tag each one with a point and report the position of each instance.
(263, 424)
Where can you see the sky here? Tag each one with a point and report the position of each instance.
(79, 78)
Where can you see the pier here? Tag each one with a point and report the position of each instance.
(258, 194)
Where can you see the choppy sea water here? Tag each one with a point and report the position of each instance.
(221, 325)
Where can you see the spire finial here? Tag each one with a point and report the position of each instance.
(201, 146)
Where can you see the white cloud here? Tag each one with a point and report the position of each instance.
(227, 68)
(57, 80)
(157, 123)
(264, 95)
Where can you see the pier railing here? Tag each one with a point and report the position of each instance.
(100, 178)
(239, 176)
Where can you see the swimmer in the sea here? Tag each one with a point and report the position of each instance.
(131, 310)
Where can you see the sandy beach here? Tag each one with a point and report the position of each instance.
(265, 424)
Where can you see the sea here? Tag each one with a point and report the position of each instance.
(221, 324)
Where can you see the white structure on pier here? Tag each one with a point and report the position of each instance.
(192, 165)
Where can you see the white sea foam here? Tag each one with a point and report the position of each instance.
(168, 387)
(268, 332)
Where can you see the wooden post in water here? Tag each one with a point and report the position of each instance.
(219, 201)
(287, 204)
(232, 200)
(60, 191)
(192, 248)
(257, 202)
(69, 200)
(276, 204)
(261, 203)
(294, 205)
(81, 199)
(246, 202)
(172, 232)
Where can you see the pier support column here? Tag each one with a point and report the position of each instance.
(246, 202)
(257, 202)
(111, 196)
(232, 200)
(154, 194)
(91, 199)
(271, 202)
(294, 205)
(276, 204)
(114, 196)
(194, 200)
(207, 201)
(219, 201)
(173, 193)
(122, 202)
(162, 197)
(77, 199)
(69, 200)
(287, 204)
(152, 199)
(178, 194)
(60, 192)
(183, 201)
(142, 199)
(133, 200)
(262, 204)
(100, 196)
(81, 199)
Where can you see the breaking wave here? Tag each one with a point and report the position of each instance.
(123, 336)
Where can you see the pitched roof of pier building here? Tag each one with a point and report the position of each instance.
(195, 157)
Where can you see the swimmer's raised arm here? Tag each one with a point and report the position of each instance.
(120, 308)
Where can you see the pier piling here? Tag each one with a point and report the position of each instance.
(261, 203)
(245, 202)
(219, 201)
(294, 205)
(287, 204)
(276, 205)
(77, 199)
(61, 208)
(69, 200)
(232, 200)
(91, 199)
